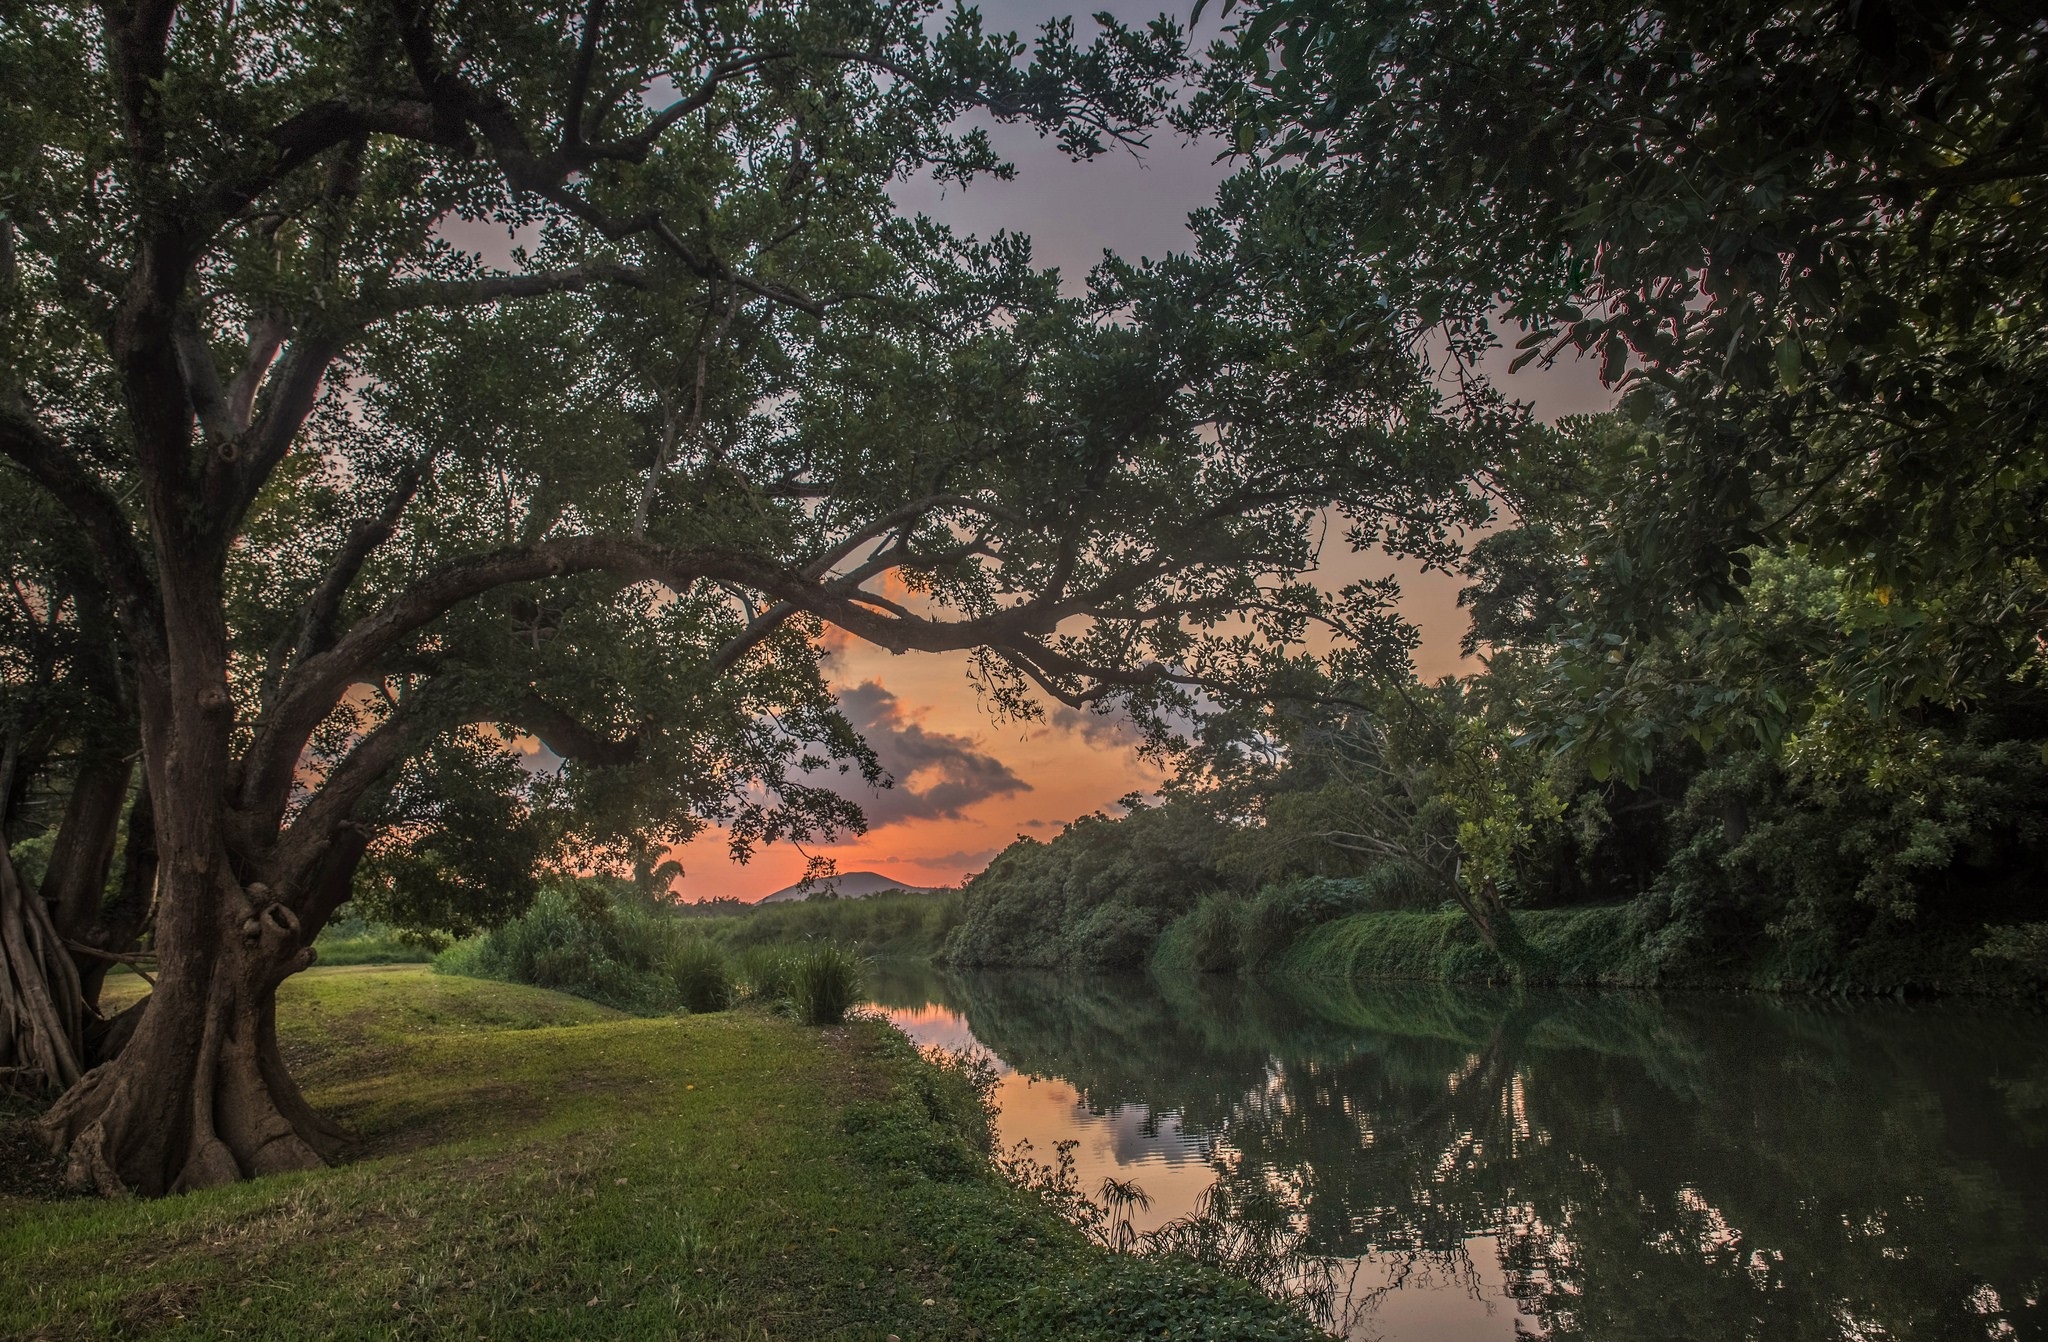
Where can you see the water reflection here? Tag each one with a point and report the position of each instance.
(1492, 1164)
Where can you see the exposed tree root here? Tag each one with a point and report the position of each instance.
(200, 1096)
(41, 1011)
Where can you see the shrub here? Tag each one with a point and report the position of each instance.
(1097, 896)
(579, 938)
(826, 983)
(702, 979)
(1216, 934)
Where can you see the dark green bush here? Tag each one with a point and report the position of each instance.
(1097, 896)
(825, 983)
(583, 938)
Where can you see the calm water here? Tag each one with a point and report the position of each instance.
(1497, 1164)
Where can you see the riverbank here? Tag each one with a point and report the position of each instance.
(1603, 947)
(531, 1165)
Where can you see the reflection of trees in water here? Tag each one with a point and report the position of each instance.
(1699, 1167)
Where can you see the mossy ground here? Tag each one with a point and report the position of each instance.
(533, 1166)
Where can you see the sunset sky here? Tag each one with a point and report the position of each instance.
(967, 785)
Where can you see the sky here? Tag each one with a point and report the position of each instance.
(967, 785)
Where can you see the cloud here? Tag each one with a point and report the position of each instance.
(938, 775)
(1105, 731)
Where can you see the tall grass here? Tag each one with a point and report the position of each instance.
(350, 940)
(908, 925)
(701, 975)
(622, 953)
(769, 973)
(827, 982)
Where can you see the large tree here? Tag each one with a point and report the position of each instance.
(1803, 237)
(364, 508)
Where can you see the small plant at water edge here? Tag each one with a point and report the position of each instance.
(826, 983)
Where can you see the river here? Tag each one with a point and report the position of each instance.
(1478, 1165)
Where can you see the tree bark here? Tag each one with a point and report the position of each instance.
(199, 1093)
(76, 881)
(126, 916)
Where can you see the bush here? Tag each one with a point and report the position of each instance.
(1095, 897)
(1228, 933)
(825, 983)
(589, 939)
(1215, 933)
(700, 974)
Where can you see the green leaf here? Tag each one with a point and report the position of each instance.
(1791, 364)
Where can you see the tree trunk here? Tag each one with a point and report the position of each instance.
(126, 916)
(76, 881)
(1491, 918)
(198, 1097)
(200, 1094)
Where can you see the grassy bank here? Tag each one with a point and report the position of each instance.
(531, 1165)
(1600, 947)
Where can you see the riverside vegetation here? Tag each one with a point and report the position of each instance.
(347, 567)
(534, 1165)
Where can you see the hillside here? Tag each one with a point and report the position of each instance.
(846, 885)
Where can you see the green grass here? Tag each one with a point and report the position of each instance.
(1581, 947)
(532, 1165)
(350, 940)
(904, 926)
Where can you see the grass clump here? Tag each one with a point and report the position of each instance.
(826, 983)
(768, 973)
(700, 976)
(819, 982)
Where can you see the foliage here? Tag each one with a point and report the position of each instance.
(825, 982)
(1934, 837)
(1095, 896)
(1803, 233)
(598, 940)
(899, 924)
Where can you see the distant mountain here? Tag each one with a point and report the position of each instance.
(847, 885)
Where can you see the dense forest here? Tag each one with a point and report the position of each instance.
(347, 567)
